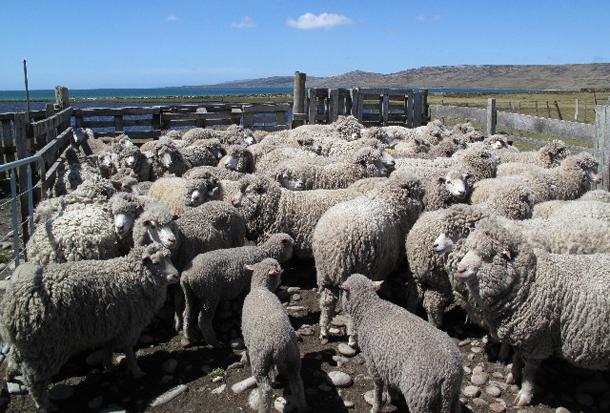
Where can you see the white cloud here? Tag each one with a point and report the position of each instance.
(171, 18)
(309, 21)
(423, 18)
(245, 23)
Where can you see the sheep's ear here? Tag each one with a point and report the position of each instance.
(146, 257)
(272, 273)
(148, 223)
(441, 179)
(284, 240)
(249, 267)
(507, 254)
(344, 287)
(268, 234)
(175, 217)
(377, 285)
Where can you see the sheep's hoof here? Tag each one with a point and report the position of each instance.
(324, 341)
(185, 342)
(523, 399)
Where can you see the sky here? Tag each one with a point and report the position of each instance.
(88, 44)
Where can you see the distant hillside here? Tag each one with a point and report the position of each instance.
(562, 77)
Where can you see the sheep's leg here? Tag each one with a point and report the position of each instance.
(377, 395)
(515, 371)
(393, 394)
(205, 325)
(434, 303)
(328, 301)
(12, 367)
(132, 366)
(351, 333)
(179, 306)
(107, 357)
(293, 370)
(188, 314)
(37, 389)
(527, 383)
(265, 395)
(504, 352)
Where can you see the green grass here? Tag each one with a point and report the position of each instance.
(4, 258)
(217, 372)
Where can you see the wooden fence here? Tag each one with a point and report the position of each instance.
(372, 107)
(598, 134)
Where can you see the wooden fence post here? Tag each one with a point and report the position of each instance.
(23, 146)
(558, 111)
(417, 109)
(298, 98)
(333, 97)
(62, 101)
(312, 105)
(536, 108)
(602, 142)
(576, 111)
(492, 116)
(548, 109)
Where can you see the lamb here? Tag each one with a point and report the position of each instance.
(542, 304)
(334, 173)
(364, 235)
(403, 352)
(180, 194)
(576, 208)
(221, 275)
(63, 309)
(267, 208)
(238, 158)
(601, 195)
(549, 156)
(269, 337)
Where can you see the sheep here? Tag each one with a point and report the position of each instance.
(403, 352)
(334, 173)
(180, 194)
(577, 208)
(238, 158)
(156, 224)
(164, 157)
(131, 158)
(601, 195)
(364, 235)
(278, 155)
(568, 181)
(549, 156)
(269, 337)
(267, 208)
(221, 275)
(540, 303)
(66, 308)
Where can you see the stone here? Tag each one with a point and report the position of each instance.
(493, 391)
(169, 366)
(497, 407)
(368, 397)
(471, 391)
(168, 396)
(334, 331)
(349, 404)
(96, 402)
(339, 379)
(218, 379)
(478, 402)
(479, 379)
(561, 410)
(464, 343)
(346, 350)
(296, 297)
(478, 369)
(340, 360)
(497, 375)
(297, 311)
(219, 389)
(113, 409)
(339, 321)
(244, 385)
(476, 349)
(237, 343)
(61, 392)
(293, 290)
(467, 370)
(285, 404)
(306, 331)
(16, 388)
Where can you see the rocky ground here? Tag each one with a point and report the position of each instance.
(199, 379)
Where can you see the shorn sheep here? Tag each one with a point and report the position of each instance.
(364, 235)
(269, 337)
(220, 275)
(55, 312)
(403, 351)
(542, 304)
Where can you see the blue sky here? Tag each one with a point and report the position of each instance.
(154, 43)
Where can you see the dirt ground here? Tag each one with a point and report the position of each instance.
(170, 366)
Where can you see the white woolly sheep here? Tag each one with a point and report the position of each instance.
(403, 352)
(549, 156)
(364, 235)
(601, 195)
(269, 337)
(238, 158)
(220, 275)
(64, 309)
(542, 304)
(577, 208)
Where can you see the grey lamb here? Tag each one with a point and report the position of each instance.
(60, 310)
(542, 304)
(221, 275)
(403, 351)
(269, 337)
(364, 235)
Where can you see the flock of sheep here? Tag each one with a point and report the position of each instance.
(519, 240)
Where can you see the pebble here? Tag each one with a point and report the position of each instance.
(237, 344)
(478, 402)
(339, 321)
(334, 331)
(464, 343)
(219, 389)
(306, 330)
(368, 397)
(476, 349)
(493, 391)
(467, 370)
(96, 402)
(16, 388)
(169, 366)
(346, 350)
(244, 385)
(497, 375)
(349, 404)
(284, 404)
(297, 311)
(146, 339)
(217, 379)
(562, 410)
(61, 392)
(471, 391)
(296, 297)
(293, 290)
(339, 379)
(253, 399)
(497, 407)
(168, 395)
(584, 399)
(340, 360)
(479, 379)
(114, 409)
(478, 369)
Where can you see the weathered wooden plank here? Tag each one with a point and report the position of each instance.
(602, 142)
(51, 151)
(553, 127)
(459, 112)
(200, 115)
(133, 135)
(127, 111)
(55, 121)
(7, 140)
(280, 107)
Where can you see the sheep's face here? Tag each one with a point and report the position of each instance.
(195, 197)
(165, 156)
(456, 184)
(123, 222)
(249, 140)
(387, 159)
(291, 182)
(232, 161)
(106, 160)
(162, 233)
(158, 261)
(444, 243)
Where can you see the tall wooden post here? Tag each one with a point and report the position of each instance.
(298, 99)
(62, 101)
(23, 145)
(602, 143)
(492, 116)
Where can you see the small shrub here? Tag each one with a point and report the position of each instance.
(217, 372)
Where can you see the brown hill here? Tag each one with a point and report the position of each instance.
(537, 77)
